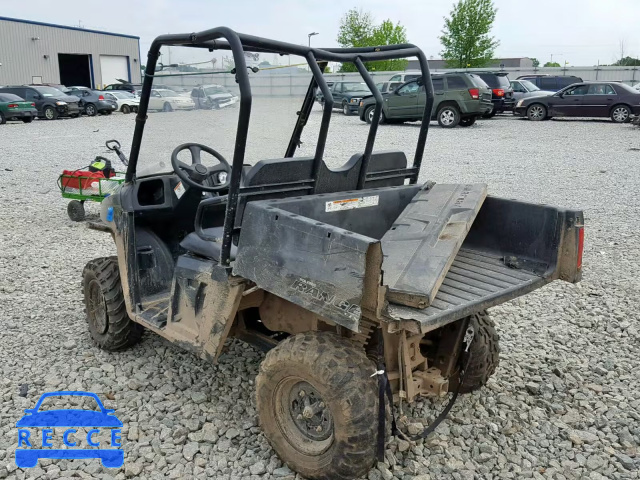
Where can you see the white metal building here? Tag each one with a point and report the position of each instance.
(36, 52)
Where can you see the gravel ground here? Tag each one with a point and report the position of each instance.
(564, 403)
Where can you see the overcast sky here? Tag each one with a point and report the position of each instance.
(580, 32)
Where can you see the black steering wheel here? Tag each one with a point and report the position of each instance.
(195, 174)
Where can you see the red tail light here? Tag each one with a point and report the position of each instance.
(499, 92)
(101, 97)
(475, 93)
(13, 105)
(33, 104)
(580, 246)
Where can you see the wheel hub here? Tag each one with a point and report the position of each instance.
(97, 310)
(309, 412)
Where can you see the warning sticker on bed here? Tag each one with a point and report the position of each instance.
(179, 189)
(351, 203)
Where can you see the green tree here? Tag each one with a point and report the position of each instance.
(552, 64)
(357, 29)
(628, 62)
(465, 37)
(536, 62)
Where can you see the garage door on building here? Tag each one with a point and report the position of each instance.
(114, 67)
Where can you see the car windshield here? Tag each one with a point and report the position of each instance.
(49, 91)
(10, 97)
(355, 87)
(529, 86)
(214, 90)
(80, 402)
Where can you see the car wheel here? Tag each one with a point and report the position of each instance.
(345, 109)
(536, 112)
(24, 120)
(620, 114)
(75, 210)
(448, 116)
(490, 114)
(90, 109)
(125, 109)
(50, 113)
(2, 119)
(467, 122)
(167, 107)
(370, 113)
(317, 405)
(109, 324)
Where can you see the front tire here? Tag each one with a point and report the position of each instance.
(536, 112)
(50, 113)
(167, 107)
(75, 210)
(620, 114)
(318, 405)
(448, 116)
(345, 109)
(25, 120)
(125, 109)
(368, 115)
(109, 325)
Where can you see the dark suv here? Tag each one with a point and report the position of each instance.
(551, 83)
(50, 102)
(460, 98)
(501, 92)
(346, 95)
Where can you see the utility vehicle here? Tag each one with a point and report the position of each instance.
(354, 279)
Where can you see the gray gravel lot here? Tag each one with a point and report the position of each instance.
(564, 403)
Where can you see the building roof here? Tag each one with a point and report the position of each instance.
(66, 27)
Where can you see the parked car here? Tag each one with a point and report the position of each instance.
(460, 98)
(50, 102)
(386, 87)
(13, 107)
(93, 102)
(60, 87)
(586, 99)
(525, 89)
(406, 76)
(125, 102)
(551, 83)
(213, 96)
(168, 100)
(132, 88)
(346, 95)
(501, 92)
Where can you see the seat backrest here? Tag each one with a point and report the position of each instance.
(292, 177)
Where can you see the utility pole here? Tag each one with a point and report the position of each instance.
(311, 35)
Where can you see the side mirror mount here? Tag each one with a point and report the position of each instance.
(561, 94)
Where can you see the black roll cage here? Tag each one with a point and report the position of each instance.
(224, 38)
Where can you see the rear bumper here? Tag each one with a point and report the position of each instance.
(503, 104)
(106, 107)
(22, 114)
